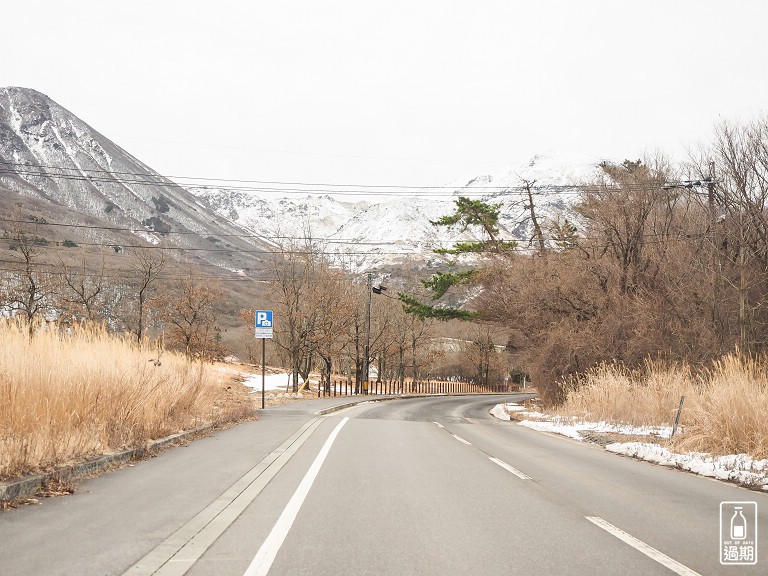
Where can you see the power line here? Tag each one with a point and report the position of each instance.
(288, 187)
(169, 179)
(594, 242)
(196, 234)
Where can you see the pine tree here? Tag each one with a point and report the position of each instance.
(468, 213)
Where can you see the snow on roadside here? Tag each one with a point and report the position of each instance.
(572, 427)
(500, 412)
(739, 468)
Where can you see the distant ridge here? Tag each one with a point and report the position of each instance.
(385, 231)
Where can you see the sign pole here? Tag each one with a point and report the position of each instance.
(264, 327)
(263, 368)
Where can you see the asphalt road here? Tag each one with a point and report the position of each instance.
(419, 486)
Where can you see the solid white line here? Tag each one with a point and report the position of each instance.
(438, 424)
(460, 439)
(509, 468)
(179, 552)
(264, 558)
(641, 546)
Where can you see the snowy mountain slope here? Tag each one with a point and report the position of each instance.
(387, 230)
(553, 179)
(48, 153)
(274, 215)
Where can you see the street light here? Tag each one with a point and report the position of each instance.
(375, 290)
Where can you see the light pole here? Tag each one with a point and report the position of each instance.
(366, 369)
(367, 338)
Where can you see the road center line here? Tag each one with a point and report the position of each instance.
(641, 546)
(264, 558)
(460, 439)
(509, 468)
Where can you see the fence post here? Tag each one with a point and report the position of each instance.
(677, 418)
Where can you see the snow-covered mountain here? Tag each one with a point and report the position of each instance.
(49, 154)
(46, 152)
(384, 230)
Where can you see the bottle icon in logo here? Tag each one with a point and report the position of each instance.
(738, 525)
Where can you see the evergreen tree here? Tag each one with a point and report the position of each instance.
(468, 213)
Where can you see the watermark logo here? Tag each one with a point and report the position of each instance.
(738, 533)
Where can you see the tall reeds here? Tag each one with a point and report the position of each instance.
(68, 395)
(725, 410)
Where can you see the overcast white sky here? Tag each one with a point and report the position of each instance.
(412, 92)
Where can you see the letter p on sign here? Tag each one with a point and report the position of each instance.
(263, 323)
(263, 319)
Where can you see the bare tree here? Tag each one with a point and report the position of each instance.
(188, 313)
(27, 289)
(332, 298)
(739, 236)
(84, 288)
(292, 272)
(627, 210)
(147, 263)
(531, 208)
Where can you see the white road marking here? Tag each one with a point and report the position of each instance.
(438, 424)
(179, 552)
(509, 468)
(460, 439)
(641, 546)
(264, 558)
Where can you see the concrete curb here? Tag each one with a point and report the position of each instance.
(28, 486)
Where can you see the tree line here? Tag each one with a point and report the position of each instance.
(325, 314)
(662, 261)
(39, 284)
(659, 260)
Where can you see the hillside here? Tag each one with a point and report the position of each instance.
(49, 154)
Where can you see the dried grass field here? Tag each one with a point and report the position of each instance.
(725, 409)
(66, 396)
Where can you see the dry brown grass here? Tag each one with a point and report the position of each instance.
(725, 410)
(65, 397)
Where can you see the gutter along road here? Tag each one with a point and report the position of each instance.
(412, 486)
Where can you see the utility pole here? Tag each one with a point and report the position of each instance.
(366, 367)
(715, 252)
(712, 236)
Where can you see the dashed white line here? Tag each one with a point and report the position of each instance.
(641, 546)
(509, 468)
(264, 558)
(460, 439)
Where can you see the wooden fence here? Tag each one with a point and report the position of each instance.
(343, 387)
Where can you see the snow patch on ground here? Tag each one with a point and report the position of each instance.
(499, 412)
(272, 382)
(739, 468)
(573, 427)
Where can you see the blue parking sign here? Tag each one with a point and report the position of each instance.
(264, 324)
